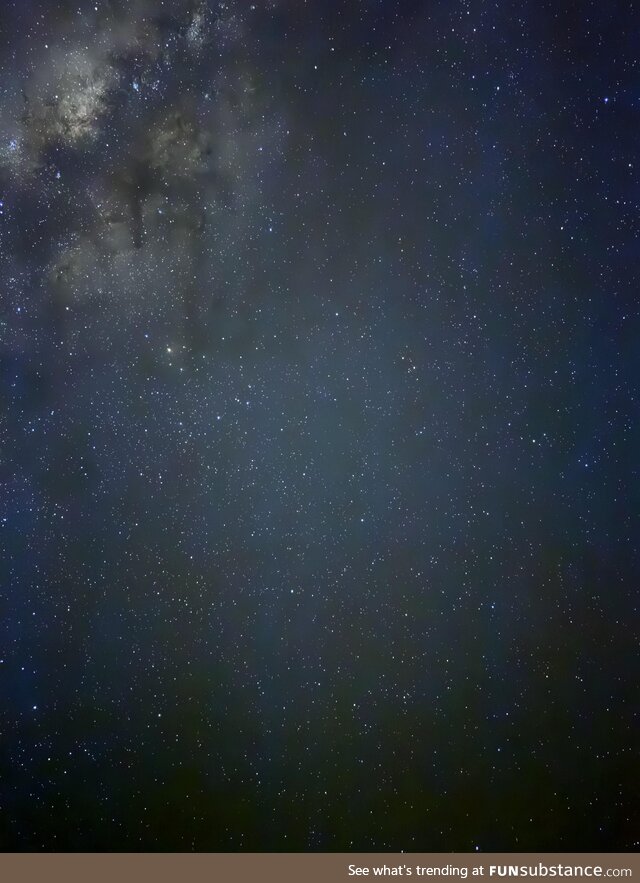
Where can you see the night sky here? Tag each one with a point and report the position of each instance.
(319, 410)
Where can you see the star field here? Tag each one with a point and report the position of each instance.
(319, 425)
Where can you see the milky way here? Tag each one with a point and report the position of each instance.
(319, 414)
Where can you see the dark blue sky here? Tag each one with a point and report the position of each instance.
(319, 425)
